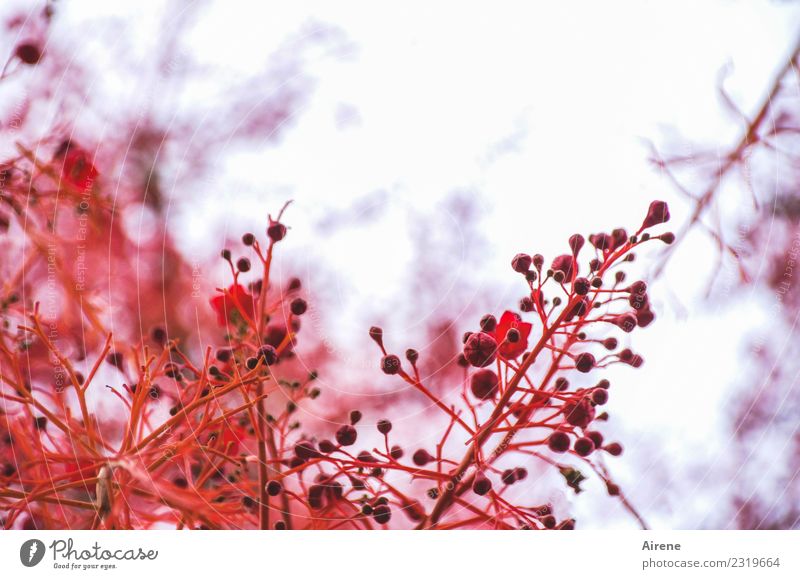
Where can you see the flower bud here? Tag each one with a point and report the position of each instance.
(484, 384)
(390, 364)
(481, 485)
(521, 263)
(480, 349)
(657, 213)
(346, 435)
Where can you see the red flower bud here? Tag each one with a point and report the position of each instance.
(584, 362)
(584, 446)
(390, 364)
(480, 349)
(579, 413)
(484, 384)
(481, 484)
(346, 435)
(521, 263)
(421, 457)
(657, 213)
(28, 53)
(558, 442)
(576, 243)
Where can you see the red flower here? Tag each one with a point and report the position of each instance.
(233, 435)
(508, 320)
(234, 299)
(77, 168)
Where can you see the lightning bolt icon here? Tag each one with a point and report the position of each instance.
(34, 548)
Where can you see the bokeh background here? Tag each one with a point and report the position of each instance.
(423, 146)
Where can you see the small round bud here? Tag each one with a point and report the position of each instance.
(376, 334)
(298, 306)
(243, 265)
(637, 287)
(421, 457)
(382, 514)
(668, 238)
(384, 426)
(248, 239)
(355, 417)
(576, 243)
(566, 264)
(305, 450)
(346, 435)
(28, 53)
(610, 343)
(481, 485)
(326, 446)
(480, 349)
(365, 456)
(584, 446)
(159, 335)
(600, 396)
(269, 354)
(509, 476)
(614, 449)
(526, 304)
(521, 263)
(579, 413)
(568, 525)
(274, 488)
(226, 254)
(276, 231)
(558, 442)
(595, 437)
(584, 362)
(561, 384)
(412, 356)
(488, 323)
(484, 384)
(396, 452)
(581, 286)
(390, 364)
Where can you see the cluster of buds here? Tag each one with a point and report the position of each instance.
(230, 451)
(519, 367)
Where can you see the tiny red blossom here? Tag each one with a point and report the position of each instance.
(78, 169)
(507, 321)
(235, 299)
